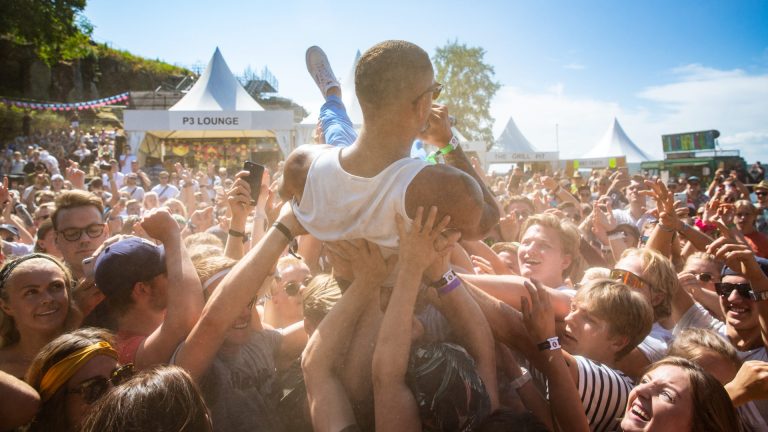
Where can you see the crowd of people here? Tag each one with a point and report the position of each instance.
(368, 290)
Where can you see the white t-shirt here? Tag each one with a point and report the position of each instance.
(164, 193)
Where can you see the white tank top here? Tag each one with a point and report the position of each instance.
(337, 205)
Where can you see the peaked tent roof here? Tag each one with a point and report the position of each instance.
(512, 140)
(217, 90)
(615, 142)
(349, 96)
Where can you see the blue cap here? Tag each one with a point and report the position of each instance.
(120, 265)
(10, 228)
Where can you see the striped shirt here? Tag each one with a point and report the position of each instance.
(604, 392)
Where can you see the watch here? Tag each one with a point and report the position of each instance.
(550, 344)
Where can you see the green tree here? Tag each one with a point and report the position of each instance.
(55, 28)
(468, 88)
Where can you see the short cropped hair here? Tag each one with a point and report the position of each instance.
(693, 343)
(626, 311)
(390, 72)
(73, 199)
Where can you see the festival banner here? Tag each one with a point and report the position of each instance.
(79, 106)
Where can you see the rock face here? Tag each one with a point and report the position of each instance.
(103, 73)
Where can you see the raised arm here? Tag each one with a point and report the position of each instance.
(185, 294)
(24, 405)
(237, 288)
(329, 404)
(439, 134)
(395, 406)
(239, 202)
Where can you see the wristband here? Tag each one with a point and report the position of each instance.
(292, 244)
(665, 228)
(283, 229)
(453, 144)
(447, 278)
(234, 233)
(452, 285)
(522, 380)
(550, 344)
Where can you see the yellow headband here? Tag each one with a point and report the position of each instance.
(63, 370)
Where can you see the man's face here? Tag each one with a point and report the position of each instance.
(164, 178)
(586, 334)
(75, 250)
(762, 197)
(633, 192)
(694, 187)
(740, 312)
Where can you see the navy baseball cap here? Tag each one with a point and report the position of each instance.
(120, 265)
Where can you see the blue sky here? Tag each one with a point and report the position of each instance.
(659, 66)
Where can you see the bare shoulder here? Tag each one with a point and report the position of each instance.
(453, 191)
(296, 168)
(11, 362)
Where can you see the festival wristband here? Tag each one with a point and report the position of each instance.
(452, 285)
(453, 144)
(550, 344)
(283, 229)
(242, 235)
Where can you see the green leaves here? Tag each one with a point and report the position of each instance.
(55, 28)
(469, 88)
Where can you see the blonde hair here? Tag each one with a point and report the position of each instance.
(693, 343)
(319, 297)
(661, 276)
(569, 237)
(510, 247)
(626, 311)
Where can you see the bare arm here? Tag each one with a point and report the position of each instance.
(24, 405)
(510, 288)
(478, 248)
(329, 404)
(395, 405)
(237, 288)
(439, 134)
(239, 202)
(185, 294)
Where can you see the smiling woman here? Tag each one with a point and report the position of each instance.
(678, 395)
(34, 308)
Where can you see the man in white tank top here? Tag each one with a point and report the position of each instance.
(341, 193)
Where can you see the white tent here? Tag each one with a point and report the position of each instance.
(217, 106)
(512, 140)
(512, 146)
(217, 90)
(615, 143)
(349, 97)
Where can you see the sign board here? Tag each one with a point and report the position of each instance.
(689, 141)
(155, 120)
(573, 165)
(507, 157)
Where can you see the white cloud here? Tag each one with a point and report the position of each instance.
(697, 98)
(574, 66)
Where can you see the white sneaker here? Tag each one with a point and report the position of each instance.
(320, 69)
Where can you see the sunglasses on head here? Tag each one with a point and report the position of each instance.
(628, 278)
(94, 388)
(724, 289)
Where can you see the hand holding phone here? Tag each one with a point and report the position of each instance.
(256, 173)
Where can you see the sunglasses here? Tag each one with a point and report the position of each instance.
(628, 278)
(761, 194)
(435, 89)
(94, 388)
(724, 289)
(74, 234)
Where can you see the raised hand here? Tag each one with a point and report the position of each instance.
(417, 244)
(239, 197)
(159, 224)
(538, 315)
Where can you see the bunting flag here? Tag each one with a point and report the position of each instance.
(96, 103)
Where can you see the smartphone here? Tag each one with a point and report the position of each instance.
(256, 172)
(681, 196)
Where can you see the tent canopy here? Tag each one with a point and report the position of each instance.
(615, 142)
(217, 90)
(512, 140)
